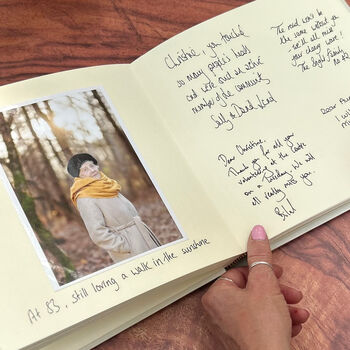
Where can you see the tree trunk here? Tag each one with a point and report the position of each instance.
(57, 131)
(53, 149)
(127, 160)
(28, 204)
(56, 190)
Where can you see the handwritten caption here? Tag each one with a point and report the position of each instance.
(340, 111)
(53, 306)
(223, 88)
(268, 170)
(313, 40)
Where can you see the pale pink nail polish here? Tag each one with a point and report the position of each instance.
(258, 233)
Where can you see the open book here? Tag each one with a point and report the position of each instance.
(243, 119)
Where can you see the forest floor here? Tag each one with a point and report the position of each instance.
(73, 238)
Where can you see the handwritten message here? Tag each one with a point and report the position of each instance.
(223, 88)
(313, 40)
(340, 111)
(269, 170)
(53, 306)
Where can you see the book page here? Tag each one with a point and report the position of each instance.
(105, 326)
(258, 101)
(52, 284)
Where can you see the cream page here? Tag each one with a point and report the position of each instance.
(34, 308)
(258, 102)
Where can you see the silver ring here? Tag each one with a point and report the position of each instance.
(226, 279)
(259, 263)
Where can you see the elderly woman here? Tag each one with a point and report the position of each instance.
(111, 220)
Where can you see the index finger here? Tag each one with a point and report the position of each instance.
(236, 277)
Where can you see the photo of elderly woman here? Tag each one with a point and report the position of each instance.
(83, 196)
(111, 220)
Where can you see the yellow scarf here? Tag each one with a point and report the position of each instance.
(88, 187)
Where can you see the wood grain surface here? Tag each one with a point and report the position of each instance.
(39, 37)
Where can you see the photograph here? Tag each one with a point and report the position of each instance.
(80, 185)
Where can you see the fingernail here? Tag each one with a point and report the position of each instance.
(258, 233)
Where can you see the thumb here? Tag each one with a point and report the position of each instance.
(260, 276)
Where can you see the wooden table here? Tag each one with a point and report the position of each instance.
(39, 37)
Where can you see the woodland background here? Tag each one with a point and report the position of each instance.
(36, 142)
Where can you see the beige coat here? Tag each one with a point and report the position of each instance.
(114, 225)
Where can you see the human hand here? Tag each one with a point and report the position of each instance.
(250, 308)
